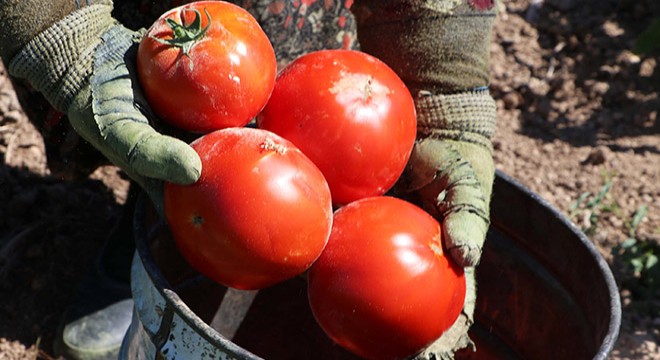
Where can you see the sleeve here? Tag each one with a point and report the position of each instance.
(434, 45)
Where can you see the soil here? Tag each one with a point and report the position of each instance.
(578, 116)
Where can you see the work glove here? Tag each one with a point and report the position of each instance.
(83, 63)
(440, 49)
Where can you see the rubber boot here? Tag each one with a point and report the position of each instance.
(95, 324)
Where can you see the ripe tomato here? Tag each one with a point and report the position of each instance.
(383, 287)
(351, 114)
(260, 213)
(206, 65)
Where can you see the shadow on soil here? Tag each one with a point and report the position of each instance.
(599, 90)
(50, 233)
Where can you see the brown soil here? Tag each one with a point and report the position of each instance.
(578, 110)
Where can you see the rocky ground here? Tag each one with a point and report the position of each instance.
(578, 124)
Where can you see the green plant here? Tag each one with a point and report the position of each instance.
(640, 255)
(591, 206)
(641, 261)
(638, 260)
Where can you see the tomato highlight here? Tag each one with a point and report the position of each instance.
(260, 213)
(383, 287)
(205, 66)
(351, 114)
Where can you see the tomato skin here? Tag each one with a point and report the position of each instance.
(260, 213)
(382, 287)
(224, 81)
(351, 114)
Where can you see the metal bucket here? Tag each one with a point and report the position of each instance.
(544, 292)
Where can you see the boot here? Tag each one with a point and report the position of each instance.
(95, 324)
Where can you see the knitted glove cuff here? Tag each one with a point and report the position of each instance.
(58, 61)
(468, 116)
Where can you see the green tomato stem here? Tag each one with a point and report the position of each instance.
(186, 36)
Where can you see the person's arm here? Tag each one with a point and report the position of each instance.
(23, 19)
(80, 59)
(440, 48)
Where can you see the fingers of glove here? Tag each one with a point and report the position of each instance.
(464, 233)
(124, 127)
(151, 154)
(465, 229)
(456, 337)
(464, 226)
(449, 187)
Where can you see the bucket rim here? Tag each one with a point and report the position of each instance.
(216, 339)
(174, 302)
(614, 325)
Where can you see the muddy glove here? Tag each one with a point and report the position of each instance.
(440, 48)
(83, 63)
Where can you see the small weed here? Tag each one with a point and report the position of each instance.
(588, 208)
(638, 255)
(640, 260)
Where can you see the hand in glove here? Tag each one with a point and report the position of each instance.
(440, 48)
(83, 62)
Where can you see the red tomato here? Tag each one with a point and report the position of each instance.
(260, 213)
(383, 287)
(217, 72)
(351, 114)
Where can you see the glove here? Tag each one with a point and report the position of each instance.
(83, 63)
(440, 49)
(451, 167)
(451, 170)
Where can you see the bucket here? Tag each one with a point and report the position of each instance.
(544, 292)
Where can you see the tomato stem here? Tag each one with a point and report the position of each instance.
(186, 36)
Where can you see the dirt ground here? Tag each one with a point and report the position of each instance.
(578, 124)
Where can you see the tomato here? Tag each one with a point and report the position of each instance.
(351, 114)
(260, 213)
(383, 287)
(217, 72)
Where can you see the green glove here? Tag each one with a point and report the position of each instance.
(453, 178)
(84, 65)
(452, 169)
(440, 49)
